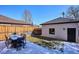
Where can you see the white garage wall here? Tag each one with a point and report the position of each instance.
(60, 33)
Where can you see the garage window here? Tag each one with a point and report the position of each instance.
(51, 31)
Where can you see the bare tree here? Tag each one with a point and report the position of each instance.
(27, 17)
(73, 12)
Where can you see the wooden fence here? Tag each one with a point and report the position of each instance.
(7, 29)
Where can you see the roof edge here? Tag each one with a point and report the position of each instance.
(60, 23)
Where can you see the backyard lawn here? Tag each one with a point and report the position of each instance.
(55, 45)
(43, 42)
(42, 46)
(33, 39)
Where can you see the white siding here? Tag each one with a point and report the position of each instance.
(60, 33)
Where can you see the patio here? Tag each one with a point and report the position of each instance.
(32, 48)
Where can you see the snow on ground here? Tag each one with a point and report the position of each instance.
(67, 48)
(71, 48)
(2, 45)
(31, 48)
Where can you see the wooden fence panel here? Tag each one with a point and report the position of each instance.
(6, 30)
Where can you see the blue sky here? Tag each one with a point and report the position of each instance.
(40, 13)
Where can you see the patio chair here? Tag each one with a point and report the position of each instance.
(7, 41)
(24, 40)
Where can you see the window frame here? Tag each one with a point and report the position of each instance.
(52, 31)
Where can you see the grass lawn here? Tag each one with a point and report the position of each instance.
(33, 39)
(44, 43)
